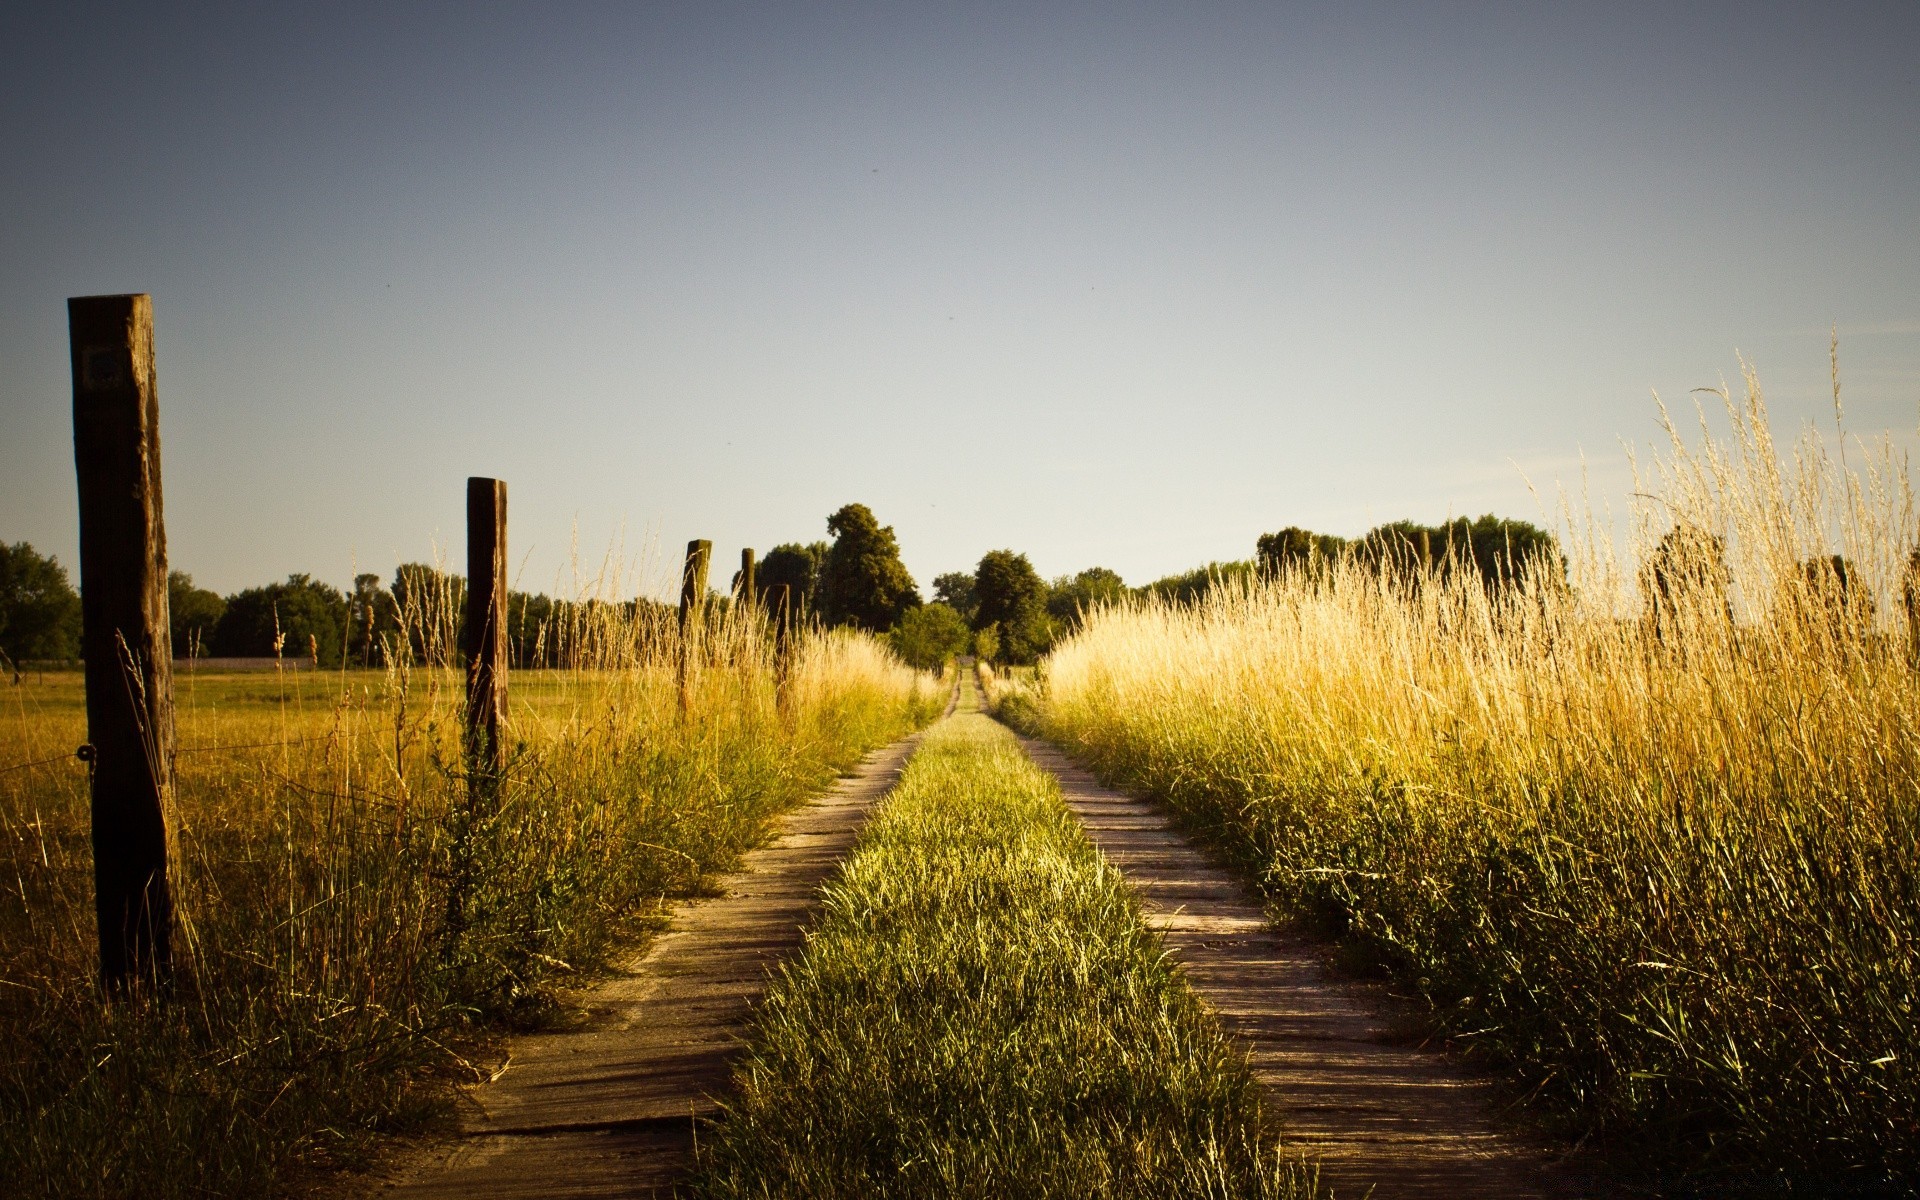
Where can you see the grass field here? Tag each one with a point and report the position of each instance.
(980, 1012)
(321, 832)
(1662, 860)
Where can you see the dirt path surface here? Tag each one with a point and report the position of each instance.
(1375, 1110)
(608, 1109)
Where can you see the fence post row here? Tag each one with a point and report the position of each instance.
(486, 634)
(124, 633)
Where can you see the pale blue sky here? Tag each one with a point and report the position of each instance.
(1119, 286)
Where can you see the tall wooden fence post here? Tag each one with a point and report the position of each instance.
(693, 596)
(486, 634)
(124, 637)
(748, 593)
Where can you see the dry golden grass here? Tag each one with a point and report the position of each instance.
(321, 828)
(1660, 856)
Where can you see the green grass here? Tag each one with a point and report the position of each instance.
(321, 997)
(980, 1012)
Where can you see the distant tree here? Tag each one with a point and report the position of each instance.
(929, 635)
(306, 617)
(1071, 597)
(1831, 588)
(798, 568)
(1686, 572)
(1501, 552)
(986, 643)
(1294, 548)
(373, 622)
(39, 610)
(955, 590)
(1010, 595)
(533, 633)
(1192, 585)
(193, 614)
(431, 608)
(864, 583)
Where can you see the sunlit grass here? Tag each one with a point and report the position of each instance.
(321, 994)
(1666, 866)
(980, 1012)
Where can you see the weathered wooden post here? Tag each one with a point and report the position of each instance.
(746, 590)
(693, 595)
(124, 638)
(486, 634)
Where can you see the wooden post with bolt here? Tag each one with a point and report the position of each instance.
(124, 634)
(486, 635)
(693, 596)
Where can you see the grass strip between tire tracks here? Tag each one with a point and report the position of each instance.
(981, 1011)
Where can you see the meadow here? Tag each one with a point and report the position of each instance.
(980, 1011)
(1648, 838)
(351, 930)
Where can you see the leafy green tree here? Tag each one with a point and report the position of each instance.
(1010, 594)
(39, 610)
(373, 622)
(1503, 553)
(193, 613)
(1190, 586)
(797, 568)
(955, 590)
(432, 611)
(1687, 571)
(1071, 597)
(308, 619)
(929, 635)
(864, 583)
(1297, 549)
(986, 643)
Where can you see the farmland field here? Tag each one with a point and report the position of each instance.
(322, 843)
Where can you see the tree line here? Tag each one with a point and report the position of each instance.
(1003, 610)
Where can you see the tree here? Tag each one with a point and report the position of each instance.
(1009, 593)
(39, 610)
(955, 590)
(797, 568)
(1504, 553)
(986, 643)
(1192, 585)
(301, 618)
(929, 635)
(431, 607)
(1070, 598)
(373, 622)
(1686, 573)
(1297, 549)
(193, 613)
(864, 583)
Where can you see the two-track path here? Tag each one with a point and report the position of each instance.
(1375, 1110)
(608, 1109)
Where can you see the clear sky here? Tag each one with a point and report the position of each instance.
(1116, 285)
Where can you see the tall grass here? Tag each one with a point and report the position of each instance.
(1651, 839)
(981, 1012)
(323, 835)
